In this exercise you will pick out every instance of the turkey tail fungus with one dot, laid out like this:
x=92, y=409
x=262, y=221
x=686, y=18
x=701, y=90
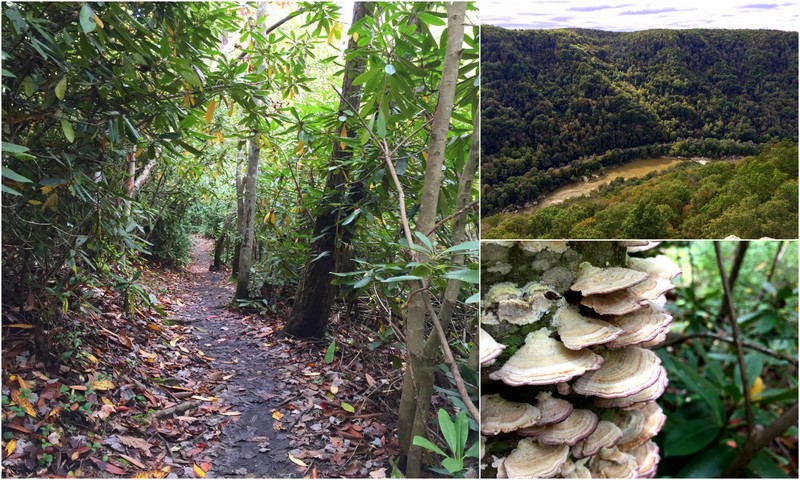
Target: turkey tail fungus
x=570, y=386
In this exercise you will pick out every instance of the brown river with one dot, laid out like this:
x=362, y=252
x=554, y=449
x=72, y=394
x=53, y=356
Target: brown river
x=636, y=168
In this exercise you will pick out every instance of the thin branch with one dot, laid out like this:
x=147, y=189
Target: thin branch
x=716, y=336
x=737, y=337
x=453, y=215
x=755, y=443
x=450, y=360
x=737, y=265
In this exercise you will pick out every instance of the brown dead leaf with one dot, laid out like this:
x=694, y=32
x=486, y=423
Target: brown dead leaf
x=135, y=442
x=370, y=380
x=297, y=461
x=134, y=461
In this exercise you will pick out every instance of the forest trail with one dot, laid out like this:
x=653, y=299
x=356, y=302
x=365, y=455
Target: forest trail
x=278, y=414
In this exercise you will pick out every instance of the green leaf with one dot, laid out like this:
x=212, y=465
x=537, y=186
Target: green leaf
x=474, y=450
x=66, y=127
x=380, y=126
x=133, y=134
x=465, y=275
x=347, y=407
x=462, y=430
x=389, y=69
x=363, y=282
x=425, y=241
x=12, y=175
x=10, y=190
x=448, y=429
x=690, y=437
x=330, y=352
x=87, y=22
x=61, y=88
x=709, y=463
x=351, y=217
x=453, y=465
x=468, y=247
x=401, y=278
x=763, y=466
x=476, y=298
x=12, y=148
x=431, y=19
x=428, y=445
x=705, y=389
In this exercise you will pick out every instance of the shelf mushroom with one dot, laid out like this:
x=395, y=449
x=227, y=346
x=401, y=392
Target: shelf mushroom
x=489, y=348
x=532, y=460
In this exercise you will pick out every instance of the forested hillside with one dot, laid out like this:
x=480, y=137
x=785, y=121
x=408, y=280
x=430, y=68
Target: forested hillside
x=560, y=104
x=752, y=198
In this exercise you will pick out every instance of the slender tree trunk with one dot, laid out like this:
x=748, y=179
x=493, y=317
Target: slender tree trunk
x=248, y=222
x=219, y=246
x=237, y=249
x=416, y=396
x=315, y=294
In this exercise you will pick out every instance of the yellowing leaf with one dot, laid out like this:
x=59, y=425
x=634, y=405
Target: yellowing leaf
x=277, y=415
x=212, y=105
x=11, y=446
x=23, y=402
x=355, y=37
x=425, y=156
x=61, y=88
x=98, y=21
x=106, y=401
x=101, y=385
x=330, y=36
x=154, y=327
x=20, y=325
x=198, y=471
x=297, y=461
x=301, y=147
x=90, y=357
x=757, y=388
x=347, y=407
x=334, y=389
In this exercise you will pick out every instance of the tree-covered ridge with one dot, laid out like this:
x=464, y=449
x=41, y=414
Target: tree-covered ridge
x=552, y=97
x=752, y=198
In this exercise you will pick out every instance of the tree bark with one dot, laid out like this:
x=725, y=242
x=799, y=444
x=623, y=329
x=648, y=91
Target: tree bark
x=248, y=222
x=219, y=246
x=237, y=248
x=309, y=316
x=415, y=400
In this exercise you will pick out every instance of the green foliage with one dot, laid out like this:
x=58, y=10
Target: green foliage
x=561, y=104
x=752, y=198
x=455, y=435
x=705, y=402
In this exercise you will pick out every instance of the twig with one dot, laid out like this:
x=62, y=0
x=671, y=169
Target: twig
x=737, y=337
x=741, y=249
x=717, y=336
x=755, y=443
x=453, y=215
x=448, y=358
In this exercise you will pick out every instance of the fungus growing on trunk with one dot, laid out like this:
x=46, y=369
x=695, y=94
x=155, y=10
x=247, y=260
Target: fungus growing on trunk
x=578, y=331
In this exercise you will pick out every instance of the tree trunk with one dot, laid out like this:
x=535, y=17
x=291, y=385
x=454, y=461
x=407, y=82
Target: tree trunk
x=219, y=246
x=248, y=222
x=237, y=248
x=417, y=392
x=315, y=294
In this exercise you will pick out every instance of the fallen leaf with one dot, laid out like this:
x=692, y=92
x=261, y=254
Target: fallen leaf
x=297, y=461
x=101, y=385
x=20, y=325
x=370, y=380
x=277, y=415
x=23, y=402
x=231, y=414
x=11, y=446
x=133, y=442
x=379, y=473
x=347, y=407
x=334, y=389
x=203, y=399
x=199, y=472
x=134, y=461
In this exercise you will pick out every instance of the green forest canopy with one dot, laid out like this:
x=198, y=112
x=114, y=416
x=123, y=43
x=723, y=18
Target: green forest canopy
x=752, y=198
x=560, y=104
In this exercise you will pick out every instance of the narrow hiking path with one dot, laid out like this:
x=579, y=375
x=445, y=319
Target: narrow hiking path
x=193, y=387
x=278, y=410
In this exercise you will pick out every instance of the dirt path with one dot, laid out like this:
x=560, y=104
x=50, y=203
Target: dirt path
x=279, y=411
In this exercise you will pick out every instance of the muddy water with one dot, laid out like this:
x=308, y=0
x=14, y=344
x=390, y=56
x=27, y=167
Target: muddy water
x=636, y=168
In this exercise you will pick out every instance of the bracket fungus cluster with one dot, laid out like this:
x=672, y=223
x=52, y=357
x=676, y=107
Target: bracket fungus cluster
x=570, y=386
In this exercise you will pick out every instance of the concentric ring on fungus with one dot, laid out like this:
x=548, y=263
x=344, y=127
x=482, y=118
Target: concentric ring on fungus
x=545, y=361
x=594, y=280
x=577, y=331
x=532, y=460
x=624, y=372
x=579, y=425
